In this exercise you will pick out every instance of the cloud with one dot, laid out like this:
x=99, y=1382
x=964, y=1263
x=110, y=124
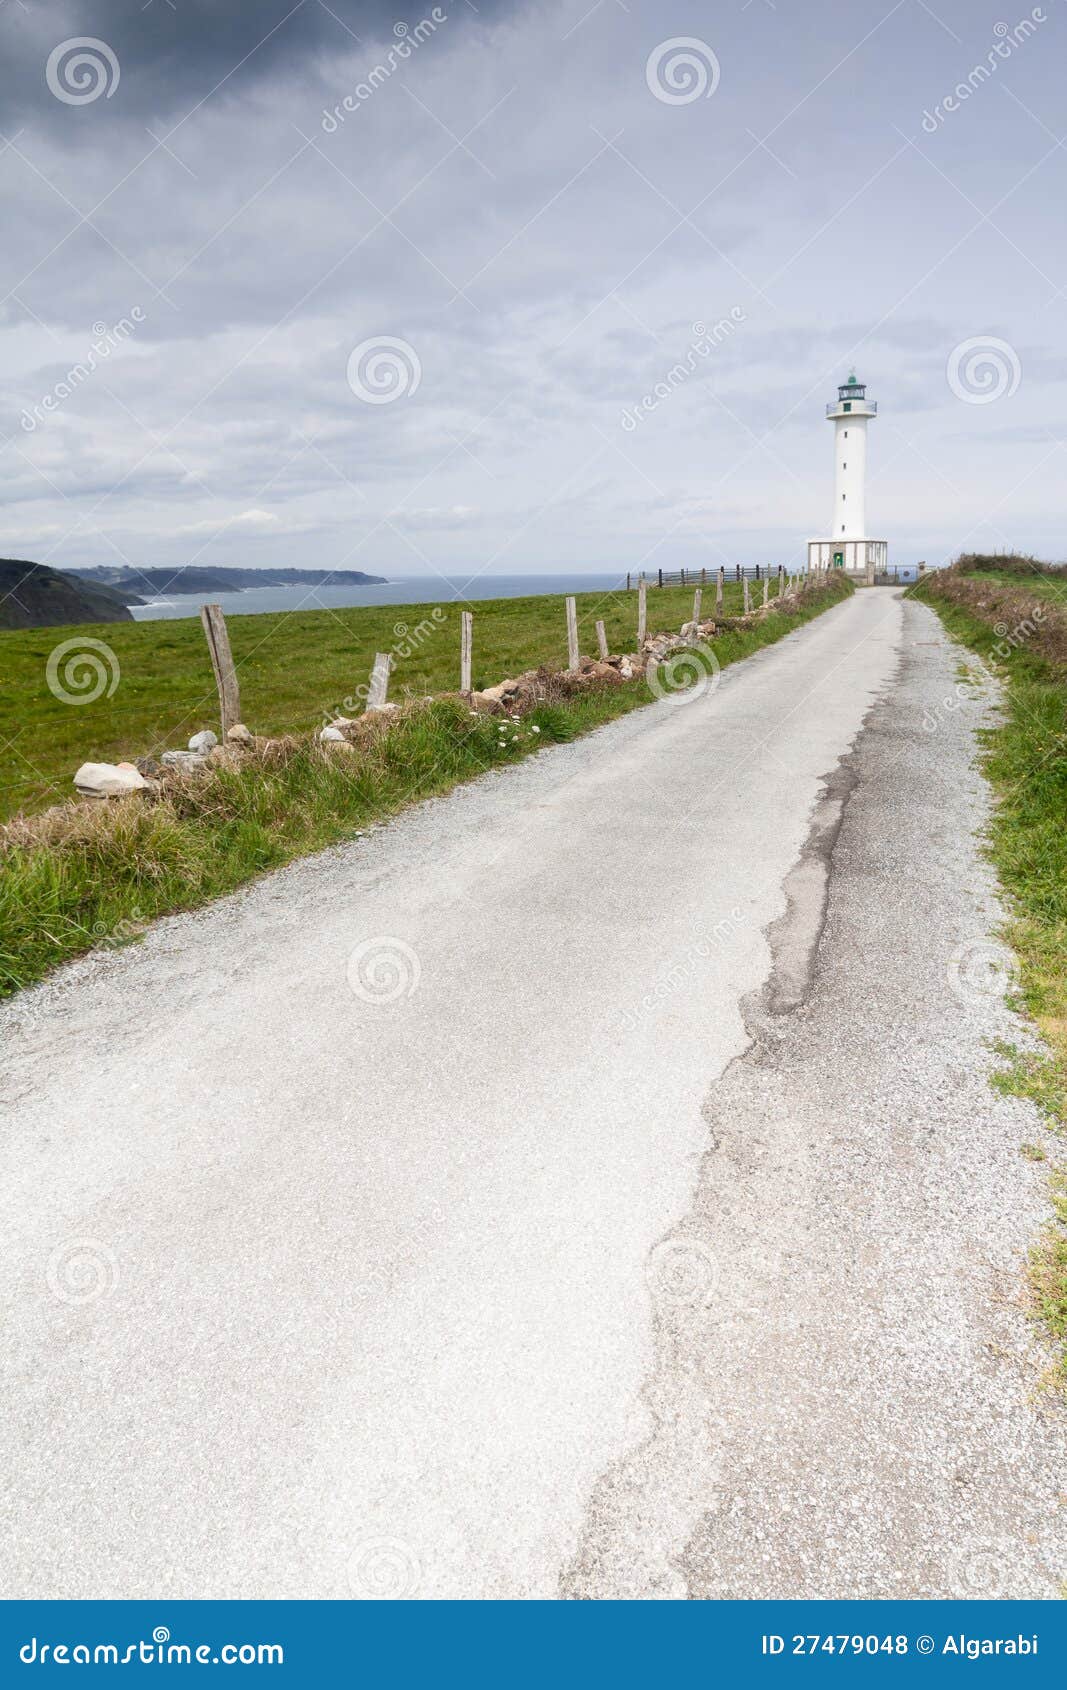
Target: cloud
x=250, y=522
x=172, y=57
x=438, y=518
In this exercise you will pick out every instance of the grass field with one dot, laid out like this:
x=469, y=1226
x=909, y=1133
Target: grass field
x=1046, y=586
x=296, y=669
x=87, y=874
x=1026, y=762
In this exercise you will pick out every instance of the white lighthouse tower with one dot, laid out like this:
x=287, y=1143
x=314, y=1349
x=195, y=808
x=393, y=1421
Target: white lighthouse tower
x=849, y=547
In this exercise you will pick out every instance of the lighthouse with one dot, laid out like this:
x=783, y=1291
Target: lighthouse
x=849, y=547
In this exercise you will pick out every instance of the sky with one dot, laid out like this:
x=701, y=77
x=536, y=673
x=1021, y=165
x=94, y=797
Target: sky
x=526, y=287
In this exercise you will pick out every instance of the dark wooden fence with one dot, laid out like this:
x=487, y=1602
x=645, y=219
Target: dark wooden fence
x=701, y=577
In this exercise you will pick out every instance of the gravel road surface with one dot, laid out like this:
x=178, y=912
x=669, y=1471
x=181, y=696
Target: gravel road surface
x=585, y=1184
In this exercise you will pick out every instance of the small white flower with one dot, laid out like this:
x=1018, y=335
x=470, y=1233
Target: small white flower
x=535, y=730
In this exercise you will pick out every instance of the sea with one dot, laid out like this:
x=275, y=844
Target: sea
x=425, y=590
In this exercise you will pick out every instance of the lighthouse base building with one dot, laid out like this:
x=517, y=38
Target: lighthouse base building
x=848, y=546
x=855, y=557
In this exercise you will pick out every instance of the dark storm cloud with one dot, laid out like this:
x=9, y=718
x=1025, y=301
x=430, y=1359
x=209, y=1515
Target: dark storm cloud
x=173, y=53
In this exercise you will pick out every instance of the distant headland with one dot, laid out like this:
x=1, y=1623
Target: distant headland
x=186, y=578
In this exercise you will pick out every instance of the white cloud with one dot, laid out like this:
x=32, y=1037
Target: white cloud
x=248, y=521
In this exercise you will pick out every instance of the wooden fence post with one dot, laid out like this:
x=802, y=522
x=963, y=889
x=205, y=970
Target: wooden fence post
x=642, y=611
x=703, y=577
x=781, y=580
x=601, y=641
x=572, y=634
x=718, y=590
x=766, y=588
x=696, y=609
x=218, y=644
x=748, y=601
x=379, y=680
x=661, y=578
x=466, y=649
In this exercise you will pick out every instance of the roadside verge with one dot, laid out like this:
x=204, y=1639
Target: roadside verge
x=1019, y=632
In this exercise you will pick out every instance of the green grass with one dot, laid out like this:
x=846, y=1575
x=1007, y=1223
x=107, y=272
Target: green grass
x=1025, y=759
x=296, y=669
x=1035, y=1075
x=82, y=874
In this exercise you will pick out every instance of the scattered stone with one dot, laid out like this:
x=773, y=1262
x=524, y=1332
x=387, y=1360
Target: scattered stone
x=332, y=735
x=108, y=780
x=147, y=766
x=189, y=760
x=662, y=645
x=497, y=694
x=378, y=709
x=203, y=742
x=239, y=734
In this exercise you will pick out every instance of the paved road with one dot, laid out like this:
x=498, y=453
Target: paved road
x=516, y=1202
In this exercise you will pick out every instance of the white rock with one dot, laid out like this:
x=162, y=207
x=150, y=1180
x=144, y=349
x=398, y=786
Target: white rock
x=108, y=780
x=203, y=741
x=331, y=735
x=239, y=734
